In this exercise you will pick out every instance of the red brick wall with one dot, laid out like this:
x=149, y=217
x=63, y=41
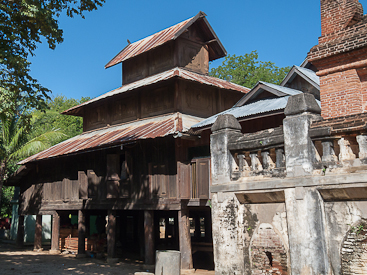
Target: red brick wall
x=343, y=86
x=340, y=94
x=337, y=15
x=353, y=252
x=268, y=254
x=341, y=58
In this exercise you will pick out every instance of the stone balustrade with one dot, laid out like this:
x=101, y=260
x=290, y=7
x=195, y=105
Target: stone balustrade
x=260, y=153
x=305, y=145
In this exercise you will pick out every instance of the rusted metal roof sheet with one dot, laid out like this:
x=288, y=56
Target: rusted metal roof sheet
x=176, y=72
x=166, y=35
x=142, y=129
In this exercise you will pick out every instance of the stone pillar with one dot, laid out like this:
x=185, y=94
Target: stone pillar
x=149, y=236
x=362, y=143
x=81, y=232
x=20, y=233
x=328, y=153
x=55, y=232
x=280, y=159
x=111, y=234
x=267, y=161
x=228, y=235
x=185, y=239
x=255, y=162
x=346, y=152
x=300, y=152
x=307, y=240
x=38, y=234
x=224, y=128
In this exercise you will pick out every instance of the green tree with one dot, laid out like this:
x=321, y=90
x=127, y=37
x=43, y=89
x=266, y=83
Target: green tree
x=7, y=196
x=246, y=70
x=23, y=24
x=15, y=143
x=53, y=119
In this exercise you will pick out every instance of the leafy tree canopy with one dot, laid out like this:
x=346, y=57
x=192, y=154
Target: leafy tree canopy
x=6, y=197
x=246, y=70
x=18, y=141
x=52, y=119
x=23, y=23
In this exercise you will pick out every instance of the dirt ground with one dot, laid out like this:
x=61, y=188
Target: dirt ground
x=25, y=261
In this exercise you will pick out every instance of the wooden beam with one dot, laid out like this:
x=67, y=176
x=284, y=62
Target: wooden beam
x=149, y=236
x=20, y=233
x=38, y=234
x=55, y=231
x=111, y=233
x=81, y=232
x=185, y=239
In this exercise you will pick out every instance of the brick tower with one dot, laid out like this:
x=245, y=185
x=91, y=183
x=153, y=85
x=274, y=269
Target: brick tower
x=341, y=58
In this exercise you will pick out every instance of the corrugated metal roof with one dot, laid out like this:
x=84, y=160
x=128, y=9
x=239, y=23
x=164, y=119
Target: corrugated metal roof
x=147, y=43
x=310, y=74
x=176, y=72
x=258, y=107
x=288, y=91
x=143, y=129
x=262, y=86
x=307, y=74
x=166, y=35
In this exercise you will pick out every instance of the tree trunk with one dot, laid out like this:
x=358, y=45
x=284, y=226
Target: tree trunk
x=2, y=177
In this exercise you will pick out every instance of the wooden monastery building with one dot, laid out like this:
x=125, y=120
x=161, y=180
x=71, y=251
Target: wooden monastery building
x=135, y=163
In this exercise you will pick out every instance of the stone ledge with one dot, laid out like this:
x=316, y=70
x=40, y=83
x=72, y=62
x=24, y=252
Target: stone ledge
x=273, y=184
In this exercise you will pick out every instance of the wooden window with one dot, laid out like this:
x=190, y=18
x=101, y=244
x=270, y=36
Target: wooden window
x=200, y=178
x=184, y=180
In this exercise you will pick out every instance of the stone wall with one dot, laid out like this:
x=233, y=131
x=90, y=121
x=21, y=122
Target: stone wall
x=249, y=239
x=301, y=222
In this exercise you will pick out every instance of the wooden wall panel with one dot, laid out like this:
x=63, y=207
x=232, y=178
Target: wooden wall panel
x=66, y=190
x=196, y=100
x=161, y=59
x=135, y=68
x=193, y=56
x=203, y=178
x=113, y=177
x=126, y=177
x=184, y=180
x=124, y=110
x=157, y=101
x=93, y=184
x=74, y=190
x=172, y=186
x=83, y=185
x=95, y=117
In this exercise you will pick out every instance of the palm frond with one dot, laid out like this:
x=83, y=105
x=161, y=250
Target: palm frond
x=37, y=144
x=17, y=140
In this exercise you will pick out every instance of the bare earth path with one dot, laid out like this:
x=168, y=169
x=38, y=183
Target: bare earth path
x=25, y=261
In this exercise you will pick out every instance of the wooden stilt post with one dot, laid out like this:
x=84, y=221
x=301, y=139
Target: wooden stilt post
x=149, y=236
x=141, y=234
x=111, y=234
x=38, y=234
x=185, y=239
x=81, y=233
x=20, y=233
x=55, y=232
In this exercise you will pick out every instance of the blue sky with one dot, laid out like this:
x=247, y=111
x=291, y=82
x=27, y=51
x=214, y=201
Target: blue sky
x=281, y=31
